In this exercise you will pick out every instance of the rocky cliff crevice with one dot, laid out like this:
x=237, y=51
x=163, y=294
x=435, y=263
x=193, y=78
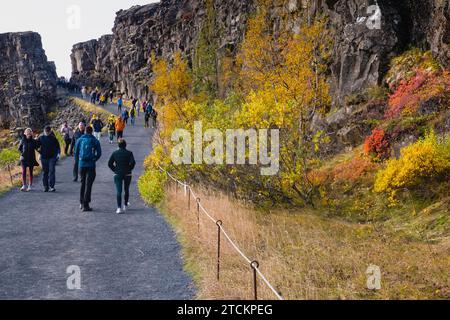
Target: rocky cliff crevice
x=361, y=54
x=27, y=80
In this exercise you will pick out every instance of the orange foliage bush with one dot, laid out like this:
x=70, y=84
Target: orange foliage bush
x=352, y=170
x=410, y=94
x=377, y=146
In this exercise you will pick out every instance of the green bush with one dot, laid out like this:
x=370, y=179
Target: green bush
x=8, y=158
x=151, y=186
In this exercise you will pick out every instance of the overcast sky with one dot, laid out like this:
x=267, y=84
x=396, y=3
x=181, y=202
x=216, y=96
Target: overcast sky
x=60, y=25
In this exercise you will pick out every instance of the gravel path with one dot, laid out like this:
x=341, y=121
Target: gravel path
x=132, y=256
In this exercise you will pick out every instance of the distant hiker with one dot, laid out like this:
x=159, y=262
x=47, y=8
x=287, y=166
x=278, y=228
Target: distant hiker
x=27, y=148
x=134, y=102
x=126, y=116
x=155, y=119
x=133, y=116
x=76, y=136
x=144, y=106
x=102, y=99
x=120, y=105
x=87, y=151
x=122, y=164
x=120, y=127
x=66, y=131
x=97, y=125
x=93, y=96
x=84, y=93
x=148, y=114
x=111, y=96
x=111, y=129
x=50, y=150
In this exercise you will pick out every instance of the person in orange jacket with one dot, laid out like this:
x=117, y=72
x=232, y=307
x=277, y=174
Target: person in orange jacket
x=120, y=127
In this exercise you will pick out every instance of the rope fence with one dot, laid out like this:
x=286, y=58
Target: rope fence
x=253, y=264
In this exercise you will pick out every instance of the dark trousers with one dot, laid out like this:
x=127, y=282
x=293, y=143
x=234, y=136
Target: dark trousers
x=87, y=180
x=119, y=135
x=24, y=175
x=75, y=170
x=67, y=146
x=122, y=182
x=49, y=168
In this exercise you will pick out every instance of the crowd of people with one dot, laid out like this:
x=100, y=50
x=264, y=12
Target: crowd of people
x=84, y=144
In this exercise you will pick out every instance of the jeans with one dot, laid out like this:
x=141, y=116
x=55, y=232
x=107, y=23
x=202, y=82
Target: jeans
x=87, y=180
x=111, y=136
x=133, y=121
x=68, y=143
x=121, y=182
x=49, y=168
x=97, y=135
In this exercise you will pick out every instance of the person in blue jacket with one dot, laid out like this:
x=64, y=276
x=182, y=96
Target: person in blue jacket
x=50, y=150
x=87, y=151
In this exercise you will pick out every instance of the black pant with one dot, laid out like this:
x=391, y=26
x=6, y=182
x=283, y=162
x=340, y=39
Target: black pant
x=68, y=143
x=119, y=135
x=121, y=183
x=75, y=169
x=87, y=180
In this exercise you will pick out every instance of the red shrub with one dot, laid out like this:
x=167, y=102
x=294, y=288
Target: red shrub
x=377, y=145
x=352, y=170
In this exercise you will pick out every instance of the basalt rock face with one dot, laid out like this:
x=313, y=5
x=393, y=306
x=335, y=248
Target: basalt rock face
x=361, y=55
x=91, y=62
x=27, y=80
x=124, y=59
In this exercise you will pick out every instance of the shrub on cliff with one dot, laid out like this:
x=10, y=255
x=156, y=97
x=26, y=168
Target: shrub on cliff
x=377, y=145
x=425, y=160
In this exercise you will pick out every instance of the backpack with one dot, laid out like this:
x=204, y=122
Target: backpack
x=87, y=147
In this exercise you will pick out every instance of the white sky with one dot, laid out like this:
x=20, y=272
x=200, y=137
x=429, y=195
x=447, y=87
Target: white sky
x=56, y=21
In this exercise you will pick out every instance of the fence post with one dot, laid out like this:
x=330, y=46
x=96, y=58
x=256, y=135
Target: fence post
x=254, y=265
x=189, y=198
x=198, y=214
x=219, y=232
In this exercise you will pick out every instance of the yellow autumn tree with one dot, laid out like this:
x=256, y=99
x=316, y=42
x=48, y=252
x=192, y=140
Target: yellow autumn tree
x=283, y=76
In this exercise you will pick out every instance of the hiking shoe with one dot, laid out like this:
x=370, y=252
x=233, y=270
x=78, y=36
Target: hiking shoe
x=87, y=209
x=23, y=189
x=52, y=190
x=45, y=189
x=124, y=209
x=30, y=188
x=119, y=211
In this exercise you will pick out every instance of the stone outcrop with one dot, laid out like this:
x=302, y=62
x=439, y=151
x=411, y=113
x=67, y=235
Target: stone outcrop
x=27, y=80
x=361, y=55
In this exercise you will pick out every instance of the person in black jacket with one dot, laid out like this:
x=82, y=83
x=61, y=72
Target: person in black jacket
x=50, y=150
x=77, y=135
x=27, y=148
x=122, y=164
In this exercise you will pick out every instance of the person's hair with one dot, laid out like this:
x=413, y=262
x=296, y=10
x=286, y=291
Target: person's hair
x=28, y=130
x=89, y=130
x=47, y=129
x=122, y=143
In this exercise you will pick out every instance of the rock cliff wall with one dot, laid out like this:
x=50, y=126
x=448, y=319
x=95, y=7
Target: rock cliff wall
x=27, y=80
x=361, y=54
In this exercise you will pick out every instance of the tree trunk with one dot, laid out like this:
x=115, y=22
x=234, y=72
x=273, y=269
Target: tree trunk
x=10, y=175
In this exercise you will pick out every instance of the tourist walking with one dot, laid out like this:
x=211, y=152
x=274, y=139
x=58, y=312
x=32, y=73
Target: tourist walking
x=122, y=164
x=120, y=105
x=50, y=150
x=154, y=119
x=133, y=116
x=88, y=151
x=125, y=116
x=120, y=127
x=111, y=128
x=67, y=134
x=27, y=148
x=97, y=125
x=77, y=135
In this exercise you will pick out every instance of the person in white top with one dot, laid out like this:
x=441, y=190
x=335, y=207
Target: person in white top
x=67, y=133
